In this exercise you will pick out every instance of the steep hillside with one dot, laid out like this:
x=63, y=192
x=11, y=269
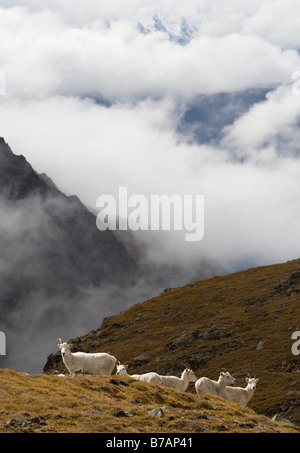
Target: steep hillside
x=111, y=404
x=242, y=322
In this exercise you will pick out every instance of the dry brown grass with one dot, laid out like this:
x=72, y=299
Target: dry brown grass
x=89, y=404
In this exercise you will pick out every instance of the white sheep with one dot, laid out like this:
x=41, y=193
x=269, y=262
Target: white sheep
x=206, y=385
x=147, y=377
x=179, y=384
x=93, y=363
x=241, y=395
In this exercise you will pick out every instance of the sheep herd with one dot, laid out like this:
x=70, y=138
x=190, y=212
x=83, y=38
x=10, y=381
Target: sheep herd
x=104, y=364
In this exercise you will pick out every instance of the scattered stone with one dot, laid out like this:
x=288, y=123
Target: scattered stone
x=189, y=426
x=260, y=345
x=101, y=334
x=293, y=393
x=135, y=402
x=81, y=372
x=117, y=382
x=195, y=427
x=216, y=333
x=204, y=416
x=197, y=333
x=292, y=366
x=23, y=422
x=140, y=360
x=157, y=412
x=288, y=287
x=170, y=346
x=247, y=425
x=222, y=428
x=279, y=418
x=122, y=413
x=97, y=409
x=166, y=408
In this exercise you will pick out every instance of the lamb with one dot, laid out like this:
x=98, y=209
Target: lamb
x=147, y=377
x=95, y=363
x=179, y=384
x=241, y=395
x=206, y=385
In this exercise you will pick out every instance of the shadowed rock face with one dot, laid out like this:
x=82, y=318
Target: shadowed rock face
x=17, y=178
x=65, y=236
x=53, y=258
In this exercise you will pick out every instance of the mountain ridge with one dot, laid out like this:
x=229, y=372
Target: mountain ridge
x=242, y=322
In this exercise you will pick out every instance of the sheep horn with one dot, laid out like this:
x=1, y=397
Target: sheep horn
x=186, y=365
x=60, y=340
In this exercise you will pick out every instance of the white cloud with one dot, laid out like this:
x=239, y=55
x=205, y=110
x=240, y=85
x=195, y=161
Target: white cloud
x=55, y=54
x=267, y=122
x=43, y=56
x=80, y=12
x=277, y=21
x=250, y=209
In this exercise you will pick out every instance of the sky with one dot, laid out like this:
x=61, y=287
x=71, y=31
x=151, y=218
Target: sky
x=97, y=104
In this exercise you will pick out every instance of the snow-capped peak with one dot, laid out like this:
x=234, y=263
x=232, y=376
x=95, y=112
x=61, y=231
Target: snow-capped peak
x=179, y=29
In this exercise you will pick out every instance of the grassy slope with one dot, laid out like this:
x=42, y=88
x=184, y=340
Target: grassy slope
x=93, y=404
x=253, y=305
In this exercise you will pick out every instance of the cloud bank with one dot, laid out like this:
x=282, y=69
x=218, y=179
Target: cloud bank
x=96, y=104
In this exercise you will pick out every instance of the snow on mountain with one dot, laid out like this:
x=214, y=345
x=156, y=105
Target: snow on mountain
x=179, y=29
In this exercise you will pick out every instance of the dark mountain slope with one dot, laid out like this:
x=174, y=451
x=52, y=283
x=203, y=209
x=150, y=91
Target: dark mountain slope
x=54, y=262
x=86, y=246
